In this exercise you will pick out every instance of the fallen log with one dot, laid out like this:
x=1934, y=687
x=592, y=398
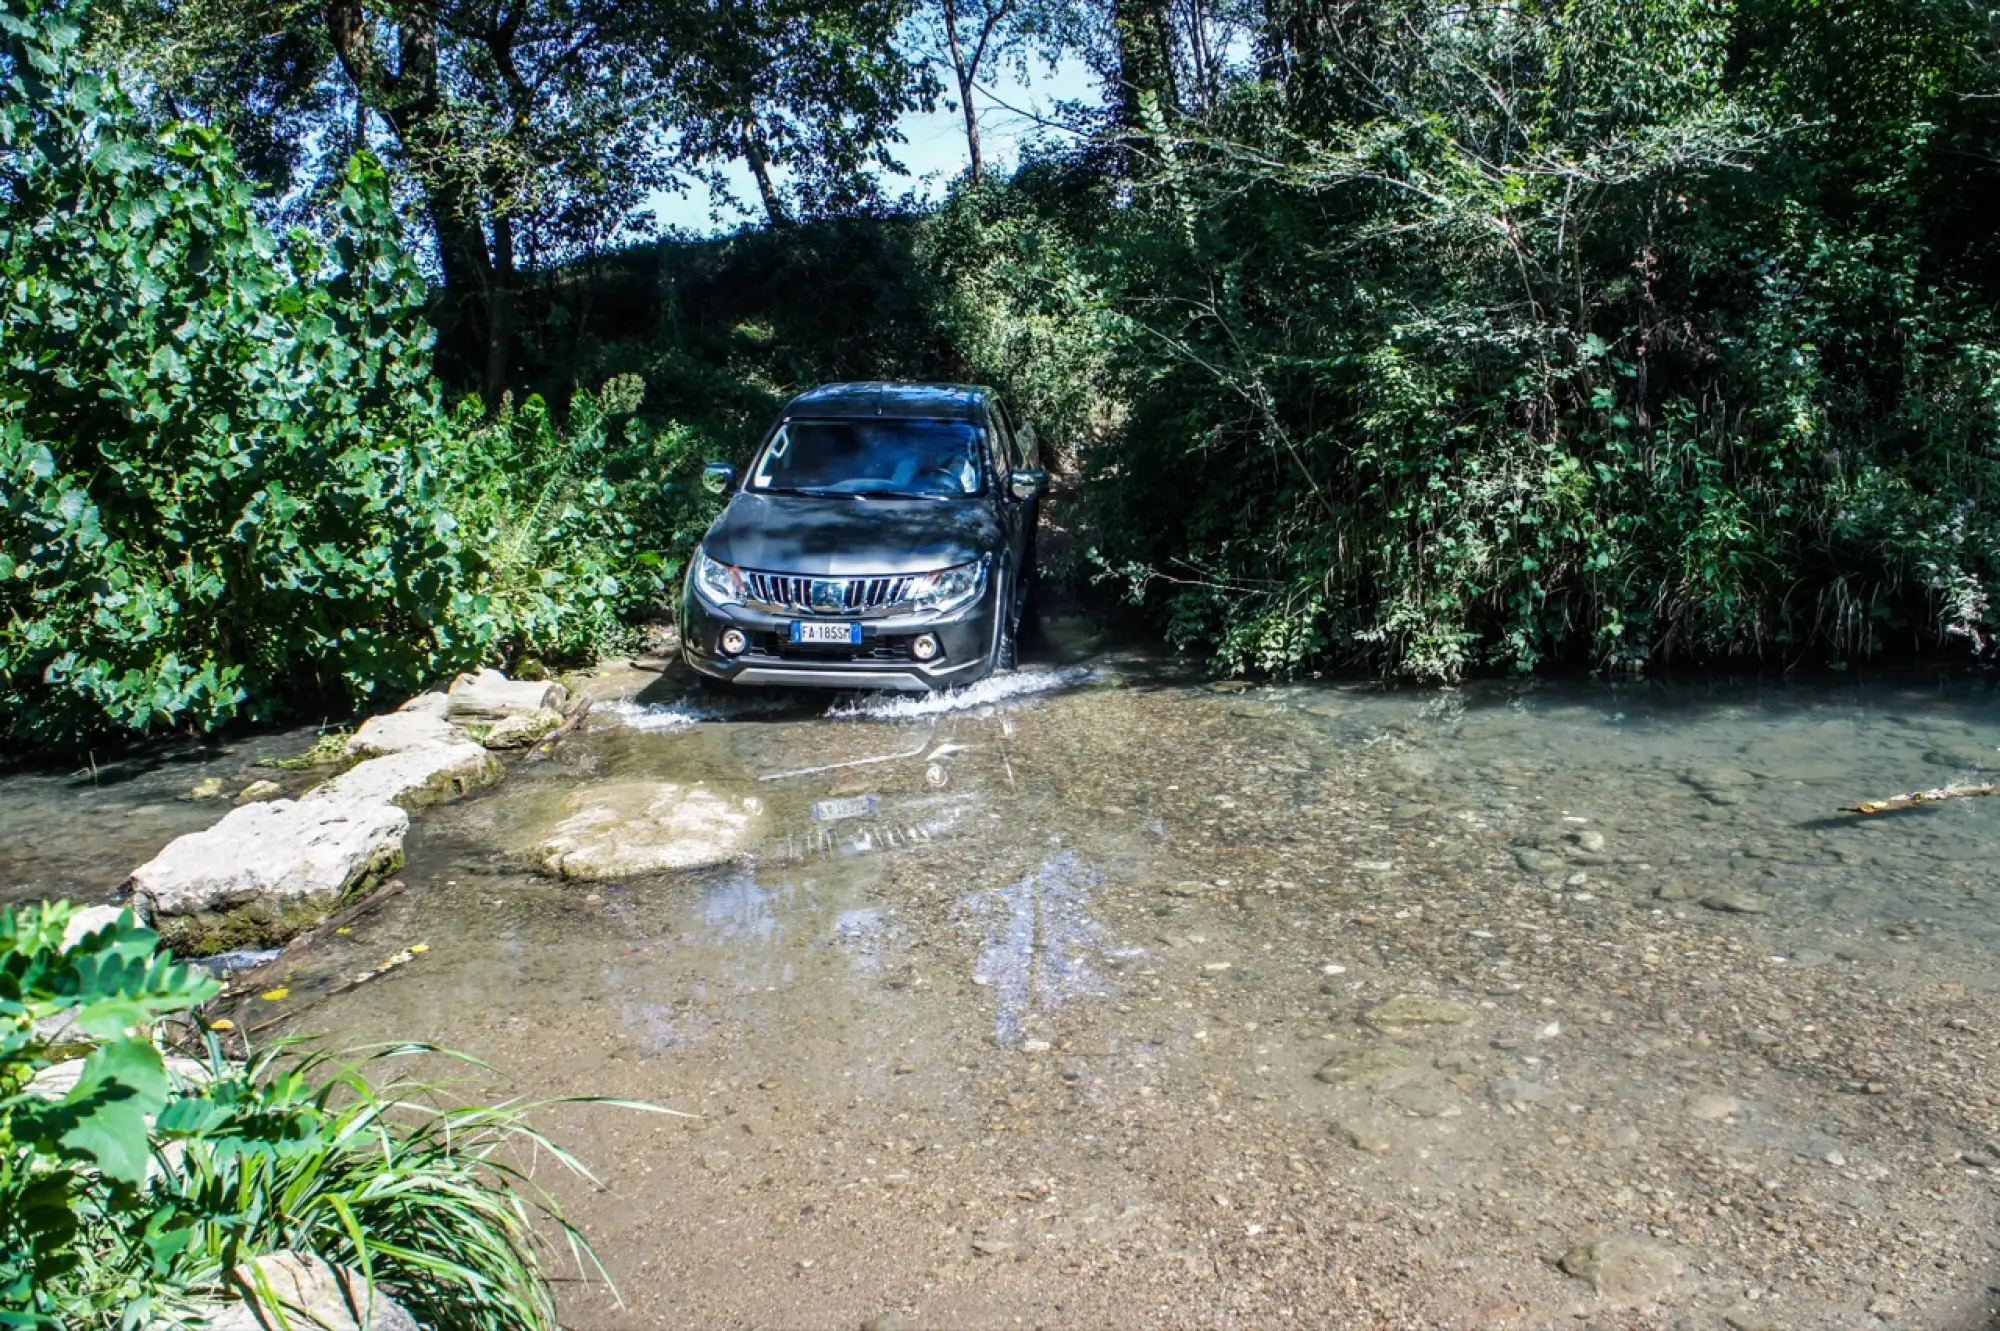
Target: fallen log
x=403, y=958
x=1917, y=797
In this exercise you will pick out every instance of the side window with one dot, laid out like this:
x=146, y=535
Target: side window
x=999, y=443
x=1014, y=453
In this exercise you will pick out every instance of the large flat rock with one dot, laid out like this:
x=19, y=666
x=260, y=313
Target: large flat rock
x=412, y=778
x=395, y=732
x=621, y=829
x=266, y=871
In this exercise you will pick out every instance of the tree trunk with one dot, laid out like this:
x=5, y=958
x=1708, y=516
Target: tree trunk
x=412, y=103
x=499, y=313
x=760, y=167
x=977, y=166
x=1145, y=61
x=965, y=73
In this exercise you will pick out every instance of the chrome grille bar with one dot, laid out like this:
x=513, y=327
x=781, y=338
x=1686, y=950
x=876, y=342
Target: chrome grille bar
x=786, y=593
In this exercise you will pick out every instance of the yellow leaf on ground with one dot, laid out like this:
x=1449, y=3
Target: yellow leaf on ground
x=273, y=995
x=420, y=948
x=343, y=929
x=224, y=1024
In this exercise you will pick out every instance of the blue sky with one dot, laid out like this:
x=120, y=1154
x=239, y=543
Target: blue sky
x=933, y=151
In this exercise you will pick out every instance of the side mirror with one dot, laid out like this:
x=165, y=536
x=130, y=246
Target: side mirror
x=1027, y=482
x=718, y=477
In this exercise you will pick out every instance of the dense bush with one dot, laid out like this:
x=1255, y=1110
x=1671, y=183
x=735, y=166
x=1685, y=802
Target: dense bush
x=1605, y=333
x=227, y=483
x=578, y=530
x=129, y=1199
x=215, y=491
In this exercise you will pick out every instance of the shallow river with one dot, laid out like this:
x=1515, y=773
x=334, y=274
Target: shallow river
x=1108, y=998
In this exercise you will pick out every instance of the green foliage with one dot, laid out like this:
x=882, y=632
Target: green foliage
x=68, y=1164
x=129, y=1200
x=1674, y=339
x=582, y=527
x=227, y=483
x=216, y=495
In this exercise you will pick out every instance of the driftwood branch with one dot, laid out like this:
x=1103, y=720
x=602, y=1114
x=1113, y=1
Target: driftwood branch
x=256, y=977
x=1914, y=798
x=548, y=742
x=403, y=958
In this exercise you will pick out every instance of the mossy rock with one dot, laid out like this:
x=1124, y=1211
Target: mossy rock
x=266, y=922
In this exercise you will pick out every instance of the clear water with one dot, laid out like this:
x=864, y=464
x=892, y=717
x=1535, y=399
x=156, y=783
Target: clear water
x=1034, y=1033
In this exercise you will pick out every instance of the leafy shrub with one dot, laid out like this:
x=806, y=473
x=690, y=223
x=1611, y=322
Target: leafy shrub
x=1676, y=340
x=130, y=1199
x=578, y=528
x=216, y=491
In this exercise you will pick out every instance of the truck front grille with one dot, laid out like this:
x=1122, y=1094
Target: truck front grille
x=784, y=593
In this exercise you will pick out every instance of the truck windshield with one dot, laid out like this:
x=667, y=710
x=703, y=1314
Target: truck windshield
x=873, y=456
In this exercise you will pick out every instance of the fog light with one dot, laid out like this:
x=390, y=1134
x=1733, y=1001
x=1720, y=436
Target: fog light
x=733, y=641
x=925, y=647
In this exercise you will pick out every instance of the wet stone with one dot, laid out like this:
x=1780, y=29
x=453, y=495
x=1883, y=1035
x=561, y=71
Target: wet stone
x=1364, y=1065
x=1362, y=1136
x=1713, y=1108
x=1416, y=1010
x=258, y=791
x=1538, y=861
x=1621, y=1268
x=1733, y=902
x=617, y=829
x=889, y=1321
x=1421, y=1099
x=1514, y=1092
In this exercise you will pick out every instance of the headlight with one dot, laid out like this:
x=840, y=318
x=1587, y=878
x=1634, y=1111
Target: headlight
x=721, y=583
x=949, y=589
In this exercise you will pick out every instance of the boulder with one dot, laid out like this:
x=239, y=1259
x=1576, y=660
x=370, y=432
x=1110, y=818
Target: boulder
x=524, y=728
x=267, y=871
x=490, y=696
x=623, y=828
x=310, y=1296
x=397, y=732
x=432, y=704
x=412, y=778
x=88, y=921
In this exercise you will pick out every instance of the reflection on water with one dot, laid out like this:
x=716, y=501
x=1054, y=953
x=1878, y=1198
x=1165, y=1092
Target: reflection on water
x=1039, y=941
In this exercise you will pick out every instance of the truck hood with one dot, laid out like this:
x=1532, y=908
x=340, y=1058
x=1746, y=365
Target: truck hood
x=841, y=537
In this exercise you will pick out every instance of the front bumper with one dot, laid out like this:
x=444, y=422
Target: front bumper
x=882, y=660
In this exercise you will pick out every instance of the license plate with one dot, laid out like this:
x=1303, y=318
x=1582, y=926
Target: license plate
x=849, y=634
x=833, y=811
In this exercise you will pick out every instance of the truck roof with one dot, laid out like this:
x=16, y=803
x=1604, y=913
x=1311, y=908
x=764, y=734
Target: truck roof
x=956, y=402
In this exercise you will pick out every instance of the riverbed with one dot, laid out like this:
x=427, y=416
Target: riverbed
x=1108, y=996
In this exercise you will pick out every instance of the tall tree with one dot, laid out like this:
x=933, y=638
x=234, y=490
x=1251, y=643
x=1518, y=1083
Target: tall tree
x=526, y=131
x=806, y=94
x=965, y=38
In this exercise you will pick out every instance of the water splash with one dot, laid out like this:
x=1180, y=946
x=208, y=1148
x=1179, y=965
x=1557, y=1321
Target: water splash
x=988, y=691
x=654, y=716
